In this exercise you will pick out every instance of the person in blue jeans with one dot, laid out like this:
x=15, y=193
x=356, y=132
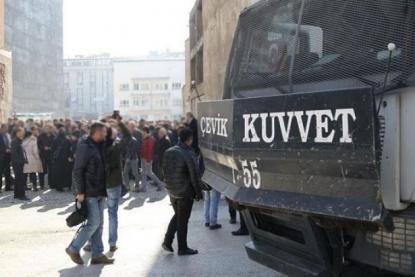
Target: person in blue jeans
x=92, y=231
x=114, y=178
x=89, y=179
x=211, y=208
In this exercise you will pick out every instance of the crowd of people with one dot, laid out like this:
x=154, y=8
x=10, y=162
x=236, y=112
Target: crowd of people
x=97, y=161
x=36, y=150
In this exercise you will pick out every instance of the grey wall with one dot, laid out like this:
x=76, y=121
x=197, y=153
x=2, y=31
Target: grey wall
x=34, y=35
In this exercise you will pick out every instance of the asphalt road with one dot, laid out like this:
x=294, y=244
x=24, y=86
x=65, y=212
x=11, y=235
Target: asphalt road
x=33, y=237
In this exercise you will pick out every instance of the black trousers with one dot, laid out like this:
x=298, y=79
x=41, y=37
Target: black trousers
x=179, y=222
x=20, y=181
x=232, y=212
x=47, y=165
x=5, y=171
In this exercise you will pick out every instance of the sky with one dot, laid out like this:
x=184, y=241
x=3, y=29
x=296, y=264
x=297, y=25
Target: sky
x=125, y=27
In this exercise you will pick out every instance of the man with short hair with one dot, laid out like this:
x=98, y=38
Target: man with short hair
x=131, y=155
x=45, y=143
x=18, y=160
x=191, y=122
x=89, y=182
x=147, y=156
x=183, y=184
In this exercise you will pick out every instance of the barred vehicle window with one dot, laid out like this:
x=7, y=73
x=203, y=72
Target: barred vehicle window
x=313, y=45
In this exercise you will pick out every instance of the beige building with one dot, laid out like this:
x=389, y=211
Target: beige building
x=149, y=88
x=5, y=72
x=212, y=26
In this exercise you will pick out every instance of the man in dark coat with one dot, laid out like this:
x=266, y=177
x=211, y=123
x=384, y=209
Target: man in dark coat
x=114, y=150
x=89, y=182
x=162, y=144
x=61, y=161
x=183, y=184
x=18, y=160
x=5, y=156
x=45, y=142
x=193, y=125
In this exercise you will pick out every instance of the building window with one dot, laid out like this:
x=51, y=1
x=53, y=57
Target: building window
x=157, y=86
x=124, y=103
x=92, y=77
x=145, y=86
x=80, y=78
x=124, y=87
x=177, y=86
x=166, y=86
x=177, y=102
x=136, y=86
x=136, y=102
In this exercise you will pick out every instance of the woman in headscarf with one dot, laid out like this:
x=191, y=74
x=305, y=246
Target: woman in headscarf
x=61, y=161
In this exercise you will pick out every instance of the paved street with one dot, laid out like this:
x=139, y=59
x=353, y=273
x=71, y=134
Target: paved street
x=33, y=237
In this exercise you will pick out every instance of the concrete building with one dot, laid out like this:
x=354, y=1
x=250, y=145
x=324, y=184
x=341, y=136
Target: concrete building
x=34, y=35
x=212, y=26
x=5, y=73
x=89, y=83
x=149, y=88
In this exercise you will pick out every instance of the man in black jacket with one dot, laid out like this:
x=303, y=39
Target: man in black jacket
x=183, y=184
x=193, y=125
x=5, y=156
x=45, y=142
x=89, y=182
x=18, y=160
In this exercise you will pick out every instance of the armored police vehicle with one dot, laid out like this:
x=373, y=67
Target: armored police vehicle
x=315, y=136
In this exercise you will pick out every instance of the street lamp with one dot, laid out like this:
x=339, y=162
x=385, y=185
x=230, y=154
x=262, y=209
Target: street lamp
x=194, y=87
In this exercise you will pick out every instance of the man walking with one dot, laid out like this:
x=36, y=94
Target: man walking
x=89, y=182
x=131, y=162
x=5, y=156
x=183, y=184
x=147, y=156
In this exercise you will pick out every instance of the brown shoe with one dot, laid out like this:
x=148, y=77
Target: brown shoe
x=75, y=257
x=102, y=260
x=113, y=248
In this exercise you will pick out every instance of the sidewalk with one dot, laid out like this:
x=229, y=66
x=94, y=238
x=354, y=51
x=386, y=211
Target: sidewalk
x=33, y=237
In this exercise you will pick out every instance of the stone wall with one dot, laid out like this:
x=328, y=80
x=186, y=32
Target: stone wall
x=1, y=24
x=6, y=85
x=219, y=18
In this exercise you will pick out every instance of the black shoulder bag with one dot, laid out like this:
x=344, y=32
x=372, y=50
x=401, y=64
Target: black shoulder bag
x=78, y=216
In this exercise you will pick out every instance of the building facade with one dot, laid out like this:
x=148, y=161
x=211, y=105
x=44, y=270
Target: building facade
x=149, y=88
x=34, y=35
x=5, y=73
x=212, y=26
x=88, y=83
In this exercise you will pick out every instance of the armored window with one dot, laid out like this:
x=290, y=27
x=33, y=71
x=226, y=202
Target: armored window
x=303, y=46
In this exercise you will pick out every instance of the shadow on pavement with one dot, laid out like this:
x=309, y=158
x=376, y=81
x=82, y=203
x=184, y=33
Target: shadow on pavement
x=90, y=271
x=138, y=199
x=44, y=200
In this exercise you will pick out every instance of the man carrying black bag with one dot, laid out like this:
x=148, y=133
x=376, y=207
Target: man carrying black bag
x=89, y=184
x=182, y=179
